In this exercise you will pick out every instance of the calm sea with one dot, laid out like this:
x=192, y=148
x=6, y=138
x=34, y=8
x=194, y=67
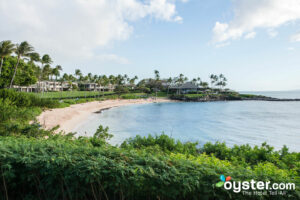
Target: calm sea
x=238, y=122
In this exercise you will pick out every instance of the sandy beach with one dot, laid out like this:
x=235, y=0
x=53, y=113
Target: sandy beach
x=67, y=118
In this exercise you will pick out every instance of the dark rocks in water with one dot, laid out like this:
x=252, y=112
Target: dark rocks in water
x=100, y=111
x=228, y=97
x=268, y=99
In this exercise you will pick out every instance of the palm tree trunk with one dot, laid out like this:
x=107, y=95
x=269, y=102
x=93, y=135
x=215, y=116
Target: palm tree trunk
x=12, y=79
x=55, y=83
x=1, y=65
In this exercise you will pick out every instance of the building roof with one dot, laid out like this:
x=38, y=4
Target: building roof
x=187, y=85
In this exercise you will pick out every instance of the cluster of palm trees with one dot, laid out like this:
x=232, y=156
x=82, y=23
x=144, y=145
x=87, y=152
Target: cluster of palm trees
x=26, y=52
x=44, y=71
x=102, y=80
x=218, y=81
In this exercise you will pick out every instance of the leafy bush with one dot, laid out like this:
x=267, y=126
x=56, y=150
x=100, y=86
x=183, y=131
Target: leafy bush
x=62, y=168
x=26, y=100
x=161, y=142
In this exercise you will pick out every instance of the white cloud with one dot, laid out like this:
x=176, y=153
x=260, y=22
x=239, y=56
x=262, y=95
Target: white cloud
x=75, y=28
x=250, y=35
x=250, y=15
x=291, y=48
x=295, y=37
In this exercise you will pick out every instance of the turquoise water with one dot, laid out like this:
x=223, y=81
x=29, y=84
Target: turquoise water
x=238, y=122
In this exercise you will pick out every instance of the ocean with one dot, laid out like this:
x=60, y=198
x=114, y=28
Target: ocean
x=233, y=122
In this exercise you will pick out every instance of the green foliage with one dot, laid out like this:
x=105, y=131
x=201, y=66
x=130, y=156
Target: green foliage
x=121, y=90
x=66, y=168
x=247, y=155
x=195, y=95
x=161, y=142
x=18, y=112
x=26, y=100
x=72, y=94
x=134, y=96
x=101, y=136
x=25, y=74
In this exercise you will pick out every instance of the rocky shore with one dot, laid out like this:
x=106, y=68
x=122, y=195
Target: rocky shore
x=227, y=97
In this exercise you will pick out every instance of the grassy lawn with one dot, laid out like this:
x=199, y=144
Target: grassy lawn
x=160, y=94
x=194, y=95
x=134, y=96
x=71, y=94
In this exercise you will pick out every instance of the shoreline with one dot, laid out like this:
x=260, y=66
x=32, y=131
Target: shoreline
x=68, y=118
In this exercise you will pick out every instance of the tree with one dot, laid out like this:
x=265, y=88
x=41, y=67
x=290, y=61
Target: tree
x=56, y=73
x=222, y=81
x=101, y=136
x=169, y=82
x=132, y=81
x=157, y=81
x=23, y=50
x=46, y=68
x=65, y=77
x=157, y=76
x=90, y=77
x=120, y=89
x=180, y=79
x=34, y=57
x=198, y=83
x=6, y=49
x=213, y=80
x=204, y=84
x=78, y=73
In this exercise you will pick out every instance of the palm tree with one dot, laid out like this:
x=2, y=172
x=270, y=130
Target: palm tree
x=132, y=81
x=198, y=83
x=94, y=78
x=78, y=73
x=65, y=77
x=6, y=49
x=157, y=76
x=23, y=50
x=34, y=57
x=157, y=81
x=47, y=71
x=222, y=81
x=56, y=73
x=46, y=60
x=181, y=79
x=90, y=77
x=204, y=85
x=169, y=82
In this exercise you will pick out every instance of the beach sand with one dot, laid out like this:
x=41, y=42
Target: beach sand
x=67, y=118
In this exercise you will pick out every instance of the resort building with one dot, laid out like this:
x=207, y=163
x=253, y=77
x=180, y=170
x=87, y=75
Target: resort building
x=185, y=88
x=46, y=86
x=95, y=87
x=54, y=86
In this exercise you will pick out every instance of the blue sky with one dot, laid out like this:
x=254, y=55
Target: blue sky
x=255, y=43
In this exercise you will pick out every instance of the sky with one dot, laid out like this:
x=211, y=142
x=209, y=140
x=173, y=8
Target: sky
x=254, y=43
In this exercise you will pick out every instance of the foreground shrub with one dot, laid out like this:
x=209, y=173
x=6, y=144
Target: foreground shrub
x=62, y=168
x=26, y=100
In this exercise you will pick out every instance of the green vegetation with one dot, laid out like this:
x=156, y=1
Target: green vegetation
x=216, y=96
x=149, y=168
x=72, y=94
x=37, y=164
